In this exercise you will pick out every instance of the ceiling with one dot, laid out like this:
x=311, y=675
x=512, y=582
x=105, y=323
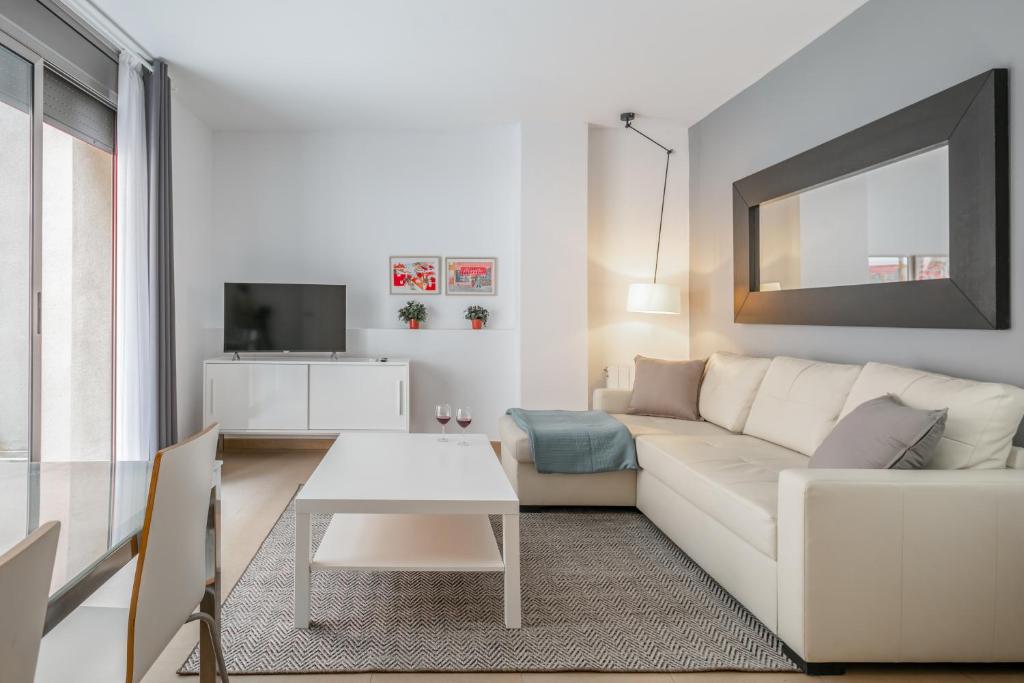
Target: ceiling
x=320, y=64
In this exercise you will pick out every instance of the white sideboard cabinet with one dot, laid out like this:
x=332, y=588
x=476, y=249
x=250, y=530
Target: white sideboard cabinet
x=300, y=396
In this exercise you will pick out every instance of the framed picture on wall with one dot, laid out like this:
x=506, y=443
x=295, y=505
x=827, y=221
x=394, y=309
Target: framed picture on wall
x=474, y=276
x=415, y=274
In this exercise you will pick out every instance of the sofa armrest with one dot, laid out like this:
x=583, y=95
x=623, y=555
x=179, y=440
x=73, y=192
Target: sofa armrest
x=612, y=400
x=901, y=565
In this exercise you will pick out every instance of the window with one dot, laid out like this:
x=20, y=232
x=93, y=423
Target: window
x=887, y=268
x=906, y=268
x=77, y=275
x=16, y=305
x=56, y=264
x=931, y=267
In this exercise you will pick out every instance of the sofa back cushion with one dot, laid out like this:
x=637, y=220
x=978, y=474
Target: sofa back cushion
x=799, y=401
x=727, y=392
x=983, y=417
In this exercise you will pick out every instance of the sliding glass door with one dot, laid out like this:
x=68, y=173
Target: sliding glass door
x=56, y=264
x=16, y=287
x=77, y=275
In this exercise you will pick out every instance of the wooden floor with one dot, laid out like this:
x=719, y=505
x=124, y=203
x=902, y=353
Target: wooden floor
x=258, y=484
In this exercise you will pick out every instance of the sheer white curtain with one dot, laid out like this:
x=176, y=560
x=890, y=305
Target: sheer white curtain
x=136, y=405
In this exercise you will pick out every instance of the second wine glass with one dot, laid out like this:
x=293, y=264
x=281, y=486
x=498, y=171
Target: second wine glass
x=464, y=417
x=443, y=414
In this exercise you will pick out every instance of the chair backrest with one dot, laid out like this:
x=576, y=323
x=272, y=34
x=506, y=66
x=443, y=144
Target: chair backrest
x=171, y=573
x=25, y=574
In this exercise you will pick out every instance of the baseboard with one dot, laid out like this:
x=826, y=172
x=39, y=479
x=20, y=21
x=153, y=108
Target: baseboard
x=814, y=668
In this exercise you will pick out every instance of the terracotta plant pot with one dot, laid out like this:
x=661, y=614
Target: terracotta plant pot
x=414, y=324
x=477, y=324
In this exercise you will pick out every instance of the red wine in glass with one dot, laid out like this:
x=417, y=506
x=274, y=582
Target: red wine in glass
x=463, y=417
x=443, y=414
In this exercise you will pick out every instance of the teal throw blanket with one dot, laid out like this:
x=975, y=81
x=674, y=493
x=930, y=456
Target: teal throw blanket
x=576, y=442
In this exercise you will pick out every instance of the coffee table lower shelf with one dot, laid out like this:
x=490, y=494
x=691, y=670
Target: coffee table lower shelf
x=412, y=543
x=420, y=543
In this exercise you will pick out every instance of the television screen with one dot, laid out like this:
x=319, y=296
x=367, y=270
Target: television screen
x=280, y=317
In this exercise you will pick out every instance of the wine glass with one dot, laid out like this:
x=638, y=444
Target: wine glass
x=443, y=414
x=464, y=417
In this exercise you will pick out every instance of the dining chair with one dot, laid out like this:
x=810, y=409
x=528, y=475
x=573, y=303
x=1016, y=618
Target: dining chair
x=119, y=632
x=25, y=574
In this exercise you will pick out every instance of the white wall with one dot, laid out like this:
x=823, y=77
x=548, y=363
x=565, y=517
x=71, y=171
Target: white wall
x=553, y=252
x=908, y=206
x=625, y=175
x=194, y=259
x=834, y=234
x=778, y=242
x=332, y=207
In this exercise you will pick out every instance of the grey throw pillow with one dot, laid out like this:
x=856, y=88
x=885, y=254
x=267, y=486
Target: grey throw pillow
x=666, y=388
x=882, y=434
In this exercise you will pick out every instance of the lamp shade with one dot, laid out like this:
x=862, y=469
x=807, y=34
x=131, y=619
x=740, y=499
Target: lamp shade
x=653, y=298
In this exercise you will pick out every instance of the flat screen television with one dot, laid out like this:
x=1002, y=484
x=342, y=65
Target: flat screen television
x=283, y=317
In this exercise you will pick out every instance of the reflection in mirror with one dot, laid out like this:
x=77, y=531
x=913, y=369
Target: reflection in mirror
x=888, y=224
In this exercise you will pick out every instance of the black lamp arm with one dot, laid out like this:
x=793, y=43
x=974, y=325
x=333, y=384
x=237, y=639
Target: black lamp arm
x=628, y=119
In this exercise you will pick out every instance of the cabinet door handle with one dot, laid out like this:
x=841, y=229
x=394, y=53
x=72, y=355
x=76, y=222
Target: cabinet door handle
x=398, y=392
x=211, y=397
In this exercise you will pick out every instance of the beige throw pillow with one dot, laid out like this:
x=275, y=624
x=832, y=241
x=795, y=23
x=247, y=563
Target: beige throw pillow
x=666, y=388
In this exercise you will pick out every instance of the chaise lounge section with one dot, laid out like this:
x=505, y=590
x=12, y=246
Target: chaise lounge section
x=844, y=565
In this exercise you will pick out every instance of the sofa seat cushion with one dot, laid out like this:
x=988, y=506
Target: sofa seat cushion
x=798, y=402
x=515, y=439
x=640, y=425
x=982, y=420
x=732, y=478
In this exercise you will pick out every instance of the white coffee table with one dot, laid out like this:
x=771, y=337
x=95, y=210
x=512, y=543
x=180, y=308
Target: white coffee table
x=408, y=502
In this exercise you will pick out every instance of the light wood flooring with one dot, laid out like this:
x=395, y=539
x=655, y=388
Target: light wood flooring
x=258, y=483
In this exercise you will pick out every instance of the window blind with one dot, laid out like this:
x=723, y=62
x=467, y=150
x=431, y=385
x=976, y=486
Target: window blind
x=69, y=108
x=15, y=81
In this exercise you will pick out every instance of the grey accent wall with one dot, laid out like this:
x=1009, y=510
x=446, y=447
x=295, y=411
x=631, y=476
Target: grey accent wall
x=885, y=56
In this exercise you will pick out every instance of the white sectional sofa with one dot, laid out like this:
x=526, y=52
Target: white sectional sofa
x=844, y=565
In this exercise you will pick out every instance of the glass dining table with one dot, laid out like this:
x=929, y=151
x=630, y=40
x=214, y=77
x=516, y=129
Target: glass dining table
x=101, y=507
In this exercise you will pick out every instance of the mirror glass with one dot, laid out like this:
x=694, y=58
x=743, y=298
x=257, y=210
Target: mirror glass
x=887, y=224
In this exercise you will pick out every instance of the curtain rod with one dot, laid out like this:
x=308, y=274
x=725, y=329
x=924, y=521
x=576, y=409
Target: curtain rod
x=106, y=29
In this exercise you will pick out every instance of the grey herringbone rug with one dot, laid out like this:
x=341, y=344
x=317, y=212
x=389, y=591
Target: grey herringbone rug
x=602, y=591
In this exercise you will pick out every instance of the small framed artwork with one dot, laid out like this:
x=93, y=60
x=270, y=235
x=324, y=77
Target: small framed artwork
x=476, y=276
x=415, y=274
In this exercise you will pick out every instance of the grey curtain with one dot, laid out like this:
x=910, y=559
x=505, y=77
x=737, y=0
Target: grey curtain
x=161, y=231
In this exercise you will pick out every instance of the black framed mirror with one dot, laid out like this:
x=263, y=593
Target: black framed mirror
x=903, y=222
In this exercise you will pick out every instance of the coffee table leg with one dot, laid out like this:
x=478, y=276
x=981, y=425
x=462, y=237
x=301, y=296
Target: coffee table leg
x=510, y=542
x=303, y=549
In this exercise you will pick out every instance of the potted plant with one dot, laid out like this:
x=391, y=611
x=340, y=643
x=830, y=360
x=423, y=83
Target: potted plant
x=413, y=313
x=478, y=316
